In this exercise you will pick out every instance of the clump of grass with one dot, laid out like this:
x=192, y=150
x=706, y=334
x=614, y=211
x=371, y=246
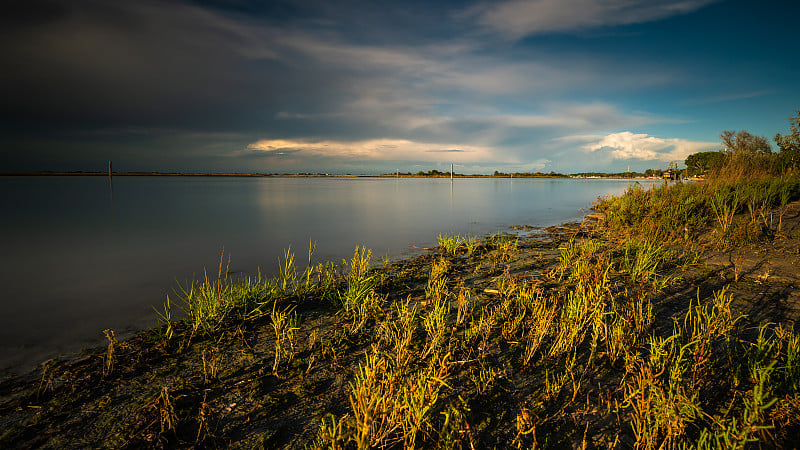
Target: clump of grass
x=436, y=288
x=389, y=407
x=209, y=303
x=641, y=259
x=165, y=330
x=450, y=245
x=471, y=244
x=284, y=323
x=505, y=246
x=669, y=391
x=358, y=299
x=360, y=282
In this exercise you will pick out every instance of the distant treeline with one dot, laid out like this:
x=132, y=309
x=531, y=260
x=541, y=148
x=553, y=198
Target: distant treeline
x=498, y=174
x=649, y=173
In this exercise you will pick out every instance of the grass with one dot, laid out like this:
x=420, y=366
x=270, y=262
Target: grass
x=596, y=345
x=284, y=323
x=677, y=213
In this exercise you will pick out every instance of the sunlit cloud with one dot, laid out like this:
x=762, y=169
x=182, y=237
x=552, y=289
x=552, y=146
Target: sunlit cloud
x=375, y=150
x=627, y=145
x=515, y=19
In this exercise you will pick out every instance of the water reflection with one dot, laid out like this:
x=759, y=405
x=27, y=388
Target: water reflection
x=75, y=264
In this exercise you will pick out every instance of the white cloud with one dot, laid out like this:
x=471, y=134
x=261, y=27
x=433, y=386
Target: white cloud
x=518, y=18
x=627, y=145
x=375, y=150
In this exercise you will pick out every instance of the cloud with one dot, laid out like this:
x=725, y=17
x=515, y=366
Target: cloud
x=374, y=150
x=627, y=145
x=515, y=19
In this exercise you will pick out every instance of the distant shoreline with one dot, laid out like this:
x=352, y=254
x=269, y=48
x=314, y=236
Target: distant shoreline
x=312, y=175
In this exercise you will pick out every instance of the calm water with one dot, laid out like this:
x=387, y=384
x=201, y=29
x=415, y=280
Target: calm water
x=74, y=262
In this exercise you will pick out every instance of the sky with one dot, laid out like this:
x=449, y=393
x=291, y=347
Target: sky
x=376, y=86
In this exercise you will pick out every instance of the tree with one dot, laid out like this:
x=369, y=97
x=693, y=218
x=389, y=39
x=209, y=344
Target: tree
x=705, y=160
x=790, y=142
x=744, y=143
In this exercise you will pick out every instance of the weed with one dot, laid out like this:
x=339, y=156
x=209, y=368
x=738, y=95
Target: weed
x=210, y=365
x=387, y=407
x=359, y=281
x=641, y=259
x=167, y=417
x=471, y=243
x=455, y=427
x=165, y=330
x=203, y=432
x=435, y=324
x=504, y=246
x=450, y=244
x=284, y=323
x=464, y=305
x=46, y=382
x=108, y=360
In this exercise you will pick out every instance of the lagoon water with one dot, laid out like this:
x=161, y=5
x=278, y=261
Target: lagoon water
x=79, y=257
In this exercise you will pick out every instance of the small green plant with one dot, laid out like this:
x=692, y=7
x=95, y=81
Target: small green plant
x=210, y=365
x=464, y=305
x=166, y=411
x=641, y=259
x=284, y=323
x=359, y=281
x=471, y=243
x=503, y=246
x=435, y=324
x=165, y=329
x=450, y=245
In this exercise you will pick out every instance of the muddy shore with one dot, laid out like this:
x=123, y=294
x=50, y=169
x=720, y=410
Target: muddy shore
x=225, y=389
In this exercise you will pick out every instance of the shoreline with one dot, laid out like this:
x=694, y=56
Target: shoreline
x=233, y=385
x=313, y=175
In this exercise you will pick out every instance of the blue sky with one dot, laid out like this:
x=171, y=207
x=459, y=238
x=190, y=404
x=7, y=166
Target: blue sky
x=378, y=86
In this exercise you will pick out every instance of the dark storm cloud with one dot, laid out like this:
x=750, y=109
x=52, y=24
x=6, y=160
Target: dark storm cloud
x=32, y=13
x=152, y=64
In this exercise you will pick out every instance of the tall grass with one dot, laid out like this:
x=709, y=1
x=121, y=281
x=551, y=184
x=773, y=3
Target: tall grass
x=679, y=212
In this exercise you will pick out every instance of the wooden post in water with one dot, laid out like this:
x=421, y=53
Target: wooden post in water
x=110, y=184
x=451, y=172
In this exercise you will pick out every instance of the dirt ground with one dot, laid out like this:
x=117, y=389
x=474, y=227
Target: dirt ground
x=220, y=390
